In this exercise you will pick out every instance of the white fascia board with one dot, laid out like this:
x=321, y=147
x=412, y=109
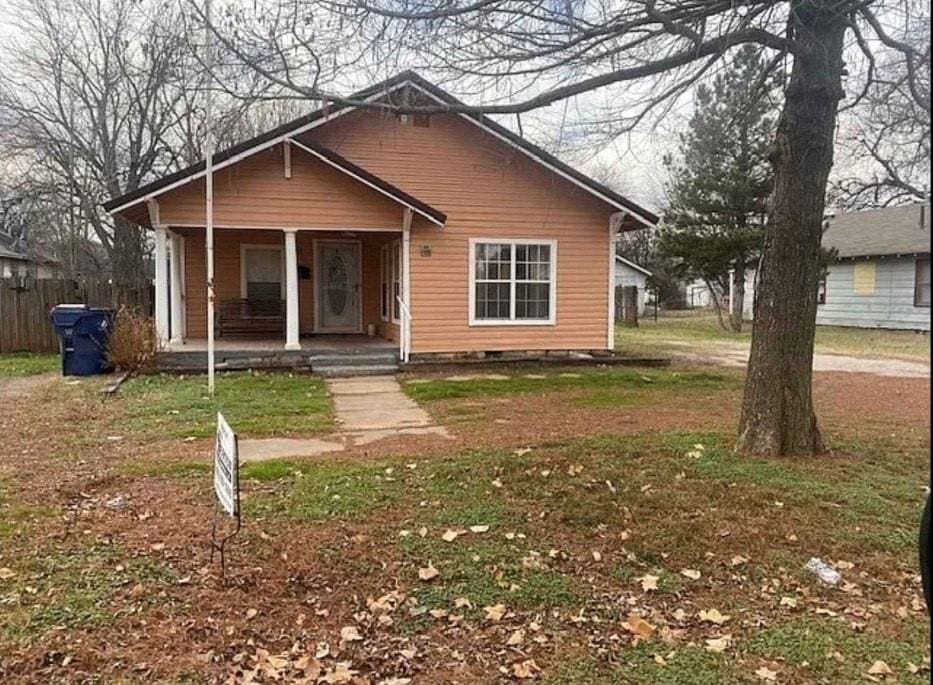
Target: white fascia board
x=634, y=265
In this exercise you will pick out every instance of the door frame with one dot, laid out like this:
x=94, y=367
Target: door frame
x=318, y=243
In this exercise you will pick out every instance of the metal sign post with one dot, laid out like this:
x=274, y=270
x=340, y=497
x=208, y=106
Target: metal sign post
x=226, y=487
x=209, y=191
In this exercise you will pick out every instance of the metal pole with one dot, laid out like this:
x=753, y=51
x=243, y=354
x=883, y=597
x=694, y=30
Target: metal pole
x=209, y=194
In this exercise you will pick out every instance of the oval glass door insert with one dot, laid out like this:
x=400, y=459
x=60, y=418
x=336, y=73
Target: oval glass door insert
x=337, y=290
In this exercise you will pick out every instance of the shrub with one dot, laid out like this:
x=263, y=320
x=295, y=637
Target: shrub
x=133, y=341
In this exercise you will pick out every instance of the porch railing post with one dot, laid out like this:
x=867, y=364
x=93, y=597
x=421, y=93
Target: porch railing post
x=291, y=292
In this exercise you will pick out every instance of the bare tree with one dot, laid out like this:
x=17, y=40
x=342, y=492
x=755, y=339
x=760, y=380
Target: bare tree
x=521, y=55
x=887, y=135
x=96, y=98
x=90, y=100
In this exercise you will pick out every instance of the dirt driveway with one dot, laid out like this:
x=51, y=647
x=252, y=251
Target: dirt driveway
x=735, y=354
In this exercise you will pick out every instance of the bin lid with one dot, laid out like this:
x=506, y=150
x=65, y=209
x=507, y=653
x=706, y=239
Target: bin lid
x=69, y=306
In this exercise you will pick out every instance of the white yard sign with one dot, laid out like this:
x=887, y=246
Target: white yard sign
x=226, y=468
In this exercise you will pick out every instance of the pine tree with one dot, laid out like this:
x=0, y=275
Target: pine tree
x=723, y=178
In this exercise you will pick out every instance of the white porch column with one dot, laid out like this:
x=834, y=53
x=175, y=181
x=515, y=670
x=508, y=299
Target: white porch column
x=176, y=265
x=291, y=292
x=615, y=222
x=161, y=284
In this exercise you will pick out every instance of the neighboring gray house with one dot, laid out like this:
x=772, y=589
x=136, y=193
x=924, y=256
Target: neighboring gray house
x=20, y=261
x=881, y=278
x=630, y=273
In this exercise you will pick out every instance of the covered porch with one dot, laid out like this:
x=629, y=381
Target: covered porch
x=294, y=290
x=305, y=243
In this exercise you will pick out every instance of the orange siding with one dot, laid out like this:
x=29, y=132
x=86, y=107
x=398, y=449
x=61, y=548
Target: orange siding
x=487, y=189
x=255, y=193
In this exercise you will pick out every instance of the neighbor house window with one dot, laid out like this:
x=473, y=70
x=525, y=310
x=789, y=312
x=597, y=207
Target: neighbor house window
x=391, y=281
x=863, y=278
x=922, y=283
x=821, y=289
x=512, y=281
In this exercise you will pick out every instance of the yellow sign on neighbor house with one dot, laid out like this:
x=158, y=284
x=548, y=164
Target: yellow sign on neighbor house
x=863, y=278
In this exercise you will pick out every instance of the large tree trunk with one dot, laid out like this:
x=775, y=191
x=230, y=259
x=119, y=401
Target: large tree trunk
x=777, y=409
x=128, y=254
x=737, y=301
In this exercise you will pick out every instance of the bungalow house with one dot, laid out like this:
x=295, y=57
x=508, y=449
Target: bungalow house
x=439, y=234
x=628, y=273
x=881, y=276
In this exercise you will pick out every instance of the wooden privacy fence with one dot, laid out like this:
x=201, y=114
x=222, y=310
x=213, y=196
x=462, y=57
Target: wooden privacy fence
x=24, y=311
x=627, y=304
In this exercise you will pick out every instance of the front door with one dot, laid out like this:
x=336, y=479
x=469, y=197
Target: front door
x=338, y=286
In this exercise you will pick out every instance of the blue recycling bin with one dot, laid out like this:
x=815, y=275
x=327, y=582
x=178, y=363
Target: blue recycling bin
x=83, y=334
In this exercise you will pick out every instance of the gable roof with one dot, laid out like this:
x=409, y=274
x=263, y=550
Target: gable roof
x=880, y=232
x=633, y=265
x=375, y=92
x=325, y=154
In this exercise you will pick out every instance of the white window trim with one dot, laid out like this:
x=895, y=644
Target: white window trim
x=550, y=321
x=244, y=248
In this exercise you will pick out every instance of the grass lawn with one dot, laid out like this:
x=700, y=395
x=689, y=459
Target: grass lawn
x=569, y=530
x=28, y=364
x=596, y=385
x=256, y=404
x=583, y=560
x=701, y=326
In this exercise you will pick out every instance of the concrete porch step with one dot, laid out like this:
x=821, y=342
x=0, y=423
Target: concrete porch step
x=362, y=359
x=351, y=370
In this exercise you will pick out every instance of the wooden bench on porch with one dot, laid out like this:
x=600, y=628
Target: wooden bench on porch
x=251, y=317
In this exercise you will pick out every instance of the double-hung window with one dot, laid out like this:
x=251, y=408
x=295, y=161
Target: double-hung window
x=391, y=281
x=512, y=281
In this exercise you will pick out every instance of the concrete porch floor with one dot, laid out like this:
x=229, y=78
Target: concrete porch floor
x=324, y=343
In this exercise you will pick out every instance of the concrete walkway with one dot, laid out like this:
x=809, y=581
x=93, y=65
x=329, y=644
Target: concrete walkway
x=370, y=408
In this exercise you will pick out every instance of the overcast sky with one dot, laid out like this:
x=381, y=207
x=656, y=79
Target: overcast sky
x=630, y=163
